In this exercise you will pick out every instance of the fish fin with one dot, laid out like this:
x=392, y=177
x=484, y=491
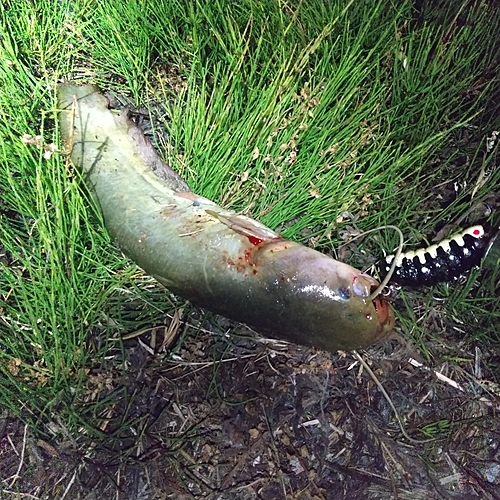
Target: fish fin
x=245, y=225
x=195, y=198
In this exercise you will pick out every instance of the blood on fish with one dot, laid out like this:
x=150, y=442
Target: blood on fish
x=248, y=256
x=229, y=261
x=254, y=240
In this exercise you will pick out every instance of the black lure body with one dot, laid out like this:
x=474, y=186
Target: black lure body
x=442, y=262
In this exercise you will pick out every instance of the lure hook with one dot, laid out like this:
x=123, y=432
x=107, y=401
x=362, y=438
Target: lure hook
x=388, y=277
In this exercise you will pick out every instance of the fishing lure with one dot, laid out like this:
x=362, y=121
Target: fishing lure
x=228, y=263
x=442, y=262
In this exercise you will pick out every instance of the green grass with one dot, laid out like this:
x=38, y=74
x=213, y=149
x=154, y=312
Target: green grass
x=311, y=116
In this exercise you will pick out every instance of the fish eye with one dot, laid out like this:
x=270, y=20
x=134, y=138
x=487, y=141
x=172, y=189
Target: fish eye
x=344, y=293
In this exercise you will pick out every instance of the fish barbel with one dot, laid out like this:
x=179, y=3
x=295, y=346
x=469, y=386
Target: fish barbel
x=225, y=262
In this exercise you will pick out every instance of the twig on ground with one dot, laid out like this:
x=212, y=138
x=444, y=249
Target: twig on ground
x=389, y=400
x=68, y=487
x=21, y=461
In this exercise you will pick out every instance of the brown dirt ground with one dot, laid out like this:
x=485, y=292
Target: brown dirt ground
x=240, y=417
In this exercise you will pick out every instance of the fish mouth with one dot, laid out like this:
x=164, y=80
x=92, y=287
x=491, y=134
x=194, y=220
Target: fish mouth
x=363, y=286
x=385, y=313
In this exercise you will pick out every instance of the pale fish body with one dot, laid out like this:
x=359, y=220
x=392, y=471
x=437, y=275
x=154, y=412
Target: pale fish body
x=228, y=263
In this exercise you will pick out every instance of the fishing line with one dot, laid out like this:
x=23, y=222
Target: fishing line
x=389, y=400
x=386, y=280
